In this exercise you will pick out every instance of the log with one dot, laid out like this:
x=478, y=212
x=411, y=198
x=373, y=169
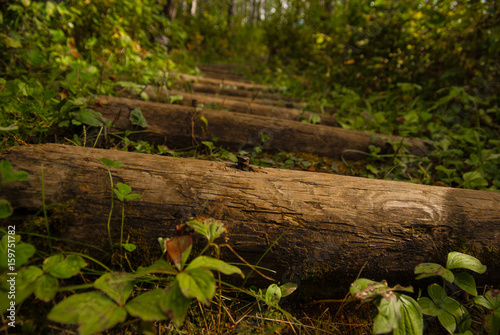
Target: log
x=233, y=92
x=325, y=228
x=249, y=106
x=237, y=84
x=181, y=127
x=222, y=71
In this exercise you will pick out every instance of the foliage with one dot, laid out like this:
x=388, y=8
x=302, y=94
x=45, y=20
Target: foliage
x=55, y=54
x=95, y=311
x=401, y=314
x=6, y=176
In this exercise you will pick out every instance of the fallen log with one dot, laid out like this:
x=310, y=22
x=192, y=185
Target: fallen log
x=181, y=127
x=238, y=84
x=321, y=229
x=233, y=92
x=222, y=71
x=157, y=94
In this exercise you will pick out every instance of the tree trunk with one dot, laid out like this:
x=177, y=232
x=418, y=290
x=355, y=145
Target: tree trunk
x=230, y=13
x=193, y=7
x=321, y=229
x=170, y=9
x=181, y=127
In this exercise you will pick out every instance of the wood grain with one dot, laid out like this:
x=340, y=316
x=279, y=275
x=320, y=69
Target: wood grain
x=327, y=227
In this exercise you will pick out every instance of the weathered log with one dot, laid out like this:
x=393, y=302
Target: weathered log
x=250, y=106
x=232, y=92
x=325, y=227
x=222, y=71
x=180, y=127
x=238, y=84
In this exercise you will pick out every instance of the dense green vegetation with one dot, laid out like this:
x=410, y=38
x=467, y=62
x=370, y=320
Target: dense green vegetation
x=426, y=70
x=423, y=69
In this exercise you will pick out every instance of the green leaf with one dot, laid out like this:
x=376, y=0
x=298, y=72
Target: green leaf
x=46, y=287
x=474, y=179
x=118, y=194
x=459, y=260
x=211, y=263
x=93, y=311
x=209, y=228
x=160, y=266
x=174, y=98
x=197, y=283
x=23, y=251
x=147, y=306
x=68, y=267
x=411, y=321
x=425, y=270
x=204, y=119
x=314, y=119
x=50, y=262
x=88, y=117
x=367, y=289
x=464, y=321
x=428, y=307
x=452, y=306
x=437, y=294
x=129, y=247
x=209, y=144
x=287, y=289
x=447, y=321
x=382, y=324
x=25, y=282
x=7, y=174
x=174, y=303
x=5, y=209
x=123, y=188
x=492, y=322
x=466, y=282
x=490, y=300
x=110, y=163
x=273, y=295
x=132, y=196
x=117, y=285
x=232, y=157
x=137, y=118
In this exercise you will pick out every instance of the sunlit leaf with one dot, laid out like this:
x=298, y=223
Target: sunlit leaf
x=197, y=283
x=425, y=270
x=459, y=260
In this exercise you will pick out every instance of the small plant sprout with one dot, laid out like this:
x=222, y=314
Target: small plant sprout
x=110, y=163
x=122, y=192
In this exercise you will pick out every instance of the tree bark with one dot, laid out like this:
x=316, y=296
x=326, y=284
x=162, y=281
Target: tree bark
x=193, y=7
x=320, y=229
x=181, y=127
x=231, y=10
